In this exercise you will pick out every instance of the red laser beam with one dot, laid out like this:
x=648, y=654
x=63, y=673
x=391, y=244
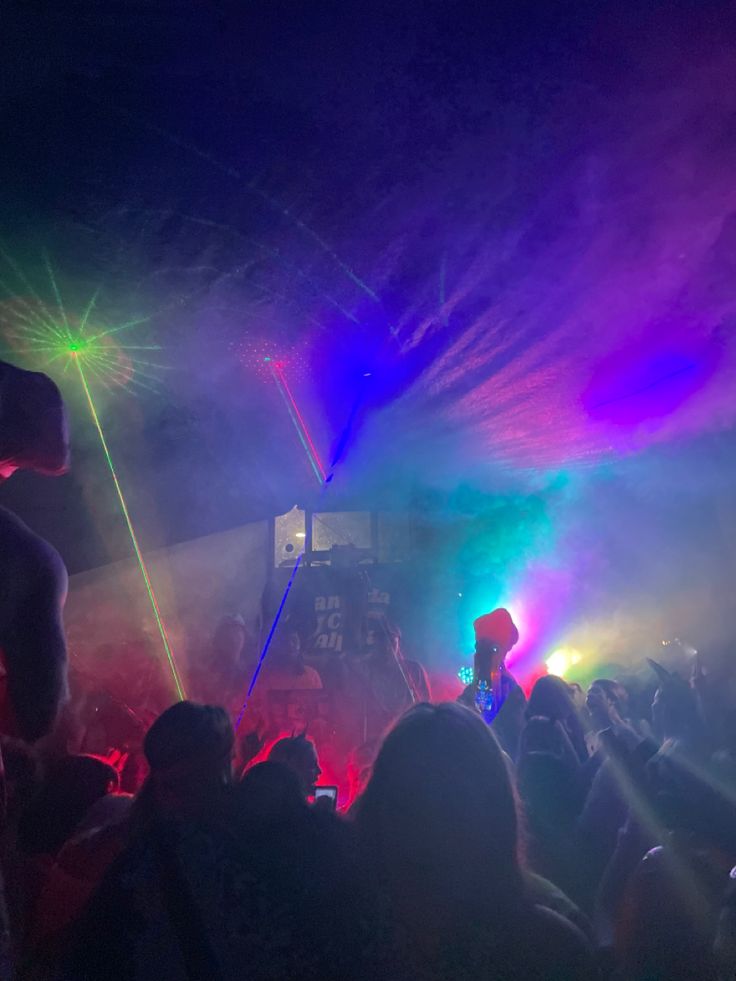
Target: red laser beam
x=313, y=449
x=292, y=416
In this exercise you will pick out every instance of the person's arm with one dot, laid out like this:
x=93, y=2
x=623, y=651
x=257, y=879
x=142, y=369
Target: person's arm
x=34, y=647
x=631, y=846
x=711, y=705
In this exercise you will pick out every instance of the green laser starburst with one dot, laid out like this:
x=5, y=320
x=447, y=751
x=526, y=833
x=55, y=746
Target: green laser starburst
x=47, y=332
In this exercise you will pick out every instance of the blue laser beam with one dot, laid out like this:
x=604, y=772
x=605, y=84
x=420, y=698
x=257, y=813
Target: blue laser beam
x=267, y=645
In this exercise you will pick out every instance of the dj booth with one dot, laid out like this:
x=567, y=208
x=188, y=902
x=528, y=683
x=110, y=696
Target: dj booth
x=355, y=567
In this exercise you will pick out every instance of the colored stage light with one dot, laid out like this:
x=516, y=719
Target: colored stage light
x=561, y=660
x=50, y=335
x=465, y=674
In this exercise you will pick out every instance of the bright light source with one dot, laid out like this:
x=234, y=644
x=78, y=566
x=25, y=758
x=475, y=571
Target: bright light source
x=465, y=675
x=300, y=534
x=561, y=660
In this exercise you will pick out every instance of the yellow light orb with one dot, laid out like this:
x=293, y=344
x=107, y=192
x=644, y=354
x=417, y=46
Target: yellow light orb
x=560, y=661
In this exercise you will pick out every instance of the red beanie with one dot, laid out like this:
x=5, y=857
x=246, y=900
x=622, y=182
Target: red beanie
x=497, y=626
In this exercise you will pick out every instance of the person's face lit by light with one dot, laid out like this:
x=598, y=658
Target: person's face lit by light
x=312, y=772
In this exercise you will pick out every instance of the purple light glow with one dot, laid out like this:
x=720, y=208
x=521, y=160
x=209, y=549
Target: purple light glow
x=646, y=381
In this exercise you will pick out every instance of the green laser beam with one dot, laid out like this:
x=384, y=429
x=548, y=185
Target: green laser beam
x=131, y=531
x=254, y=189
x=26, y=283
x=88, y=310
x=57, y=293
x=32, y=318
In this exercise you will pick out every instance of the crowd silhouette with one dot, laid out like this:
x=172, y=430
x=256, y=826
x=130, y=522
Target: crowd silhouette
x=597, y=839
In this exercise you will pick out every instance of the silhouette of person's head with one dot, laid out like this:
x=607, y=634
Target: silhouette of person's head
x=270, y=792
x=439, y=816
x=386, y=639
x=69, y=789
x=674, y=708
x=229, y=640
x=603, y=698
x=33, y=426
x=189, y=750
x=551, y=698
x=286, y=649
x=299, y=755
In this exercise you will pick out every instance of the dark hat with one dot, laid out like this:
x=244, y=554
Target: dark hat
x=33, y=427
